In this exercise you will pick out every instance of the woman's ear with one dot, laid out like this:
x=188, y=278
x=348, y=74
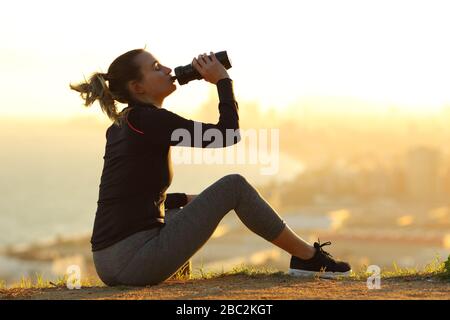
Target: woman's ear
x=135, y=87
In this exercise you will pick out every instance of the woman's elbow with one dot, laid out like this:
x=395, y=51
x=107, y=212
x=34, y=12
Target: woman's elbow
x=233, y=136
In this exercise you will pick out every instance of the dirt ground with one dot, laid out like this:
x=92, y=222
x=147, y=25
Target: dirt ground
x=239, y=287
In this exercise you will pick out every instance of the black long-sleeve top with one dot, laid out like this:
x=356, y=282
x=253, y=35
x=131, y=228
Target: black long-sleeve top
x=137, y=168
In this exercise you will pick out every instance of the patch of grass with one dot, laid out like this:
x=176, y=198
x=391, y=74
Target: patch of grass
x=241, y=269
x=61, y=282
x=435, y=269
x=254, y=272
x=184, y=273
x=446, y=272
x=25, y=283
x=39, y=282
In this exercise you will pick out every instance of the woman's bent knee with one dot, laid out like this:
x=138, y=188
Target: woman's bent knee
x=236, y=178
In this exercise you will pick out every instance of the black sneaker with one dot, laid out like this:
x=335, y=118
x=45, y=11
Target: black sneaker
x=322, y=264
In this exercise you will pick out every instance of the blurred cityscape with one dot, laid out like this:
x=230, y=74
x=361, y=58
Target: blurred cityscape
x=376, y=213
x=421, y=176
x=376, y=185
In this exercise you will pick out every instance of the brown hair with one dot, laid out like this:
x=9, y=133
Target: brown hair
x=122, y=70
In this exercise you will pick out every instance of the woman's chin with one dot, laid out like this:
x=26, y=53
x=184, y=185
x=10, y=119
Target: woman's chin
x=172, y=89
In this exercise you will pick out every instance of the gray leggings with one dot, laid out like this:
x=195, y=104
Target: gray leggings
x=152, y=256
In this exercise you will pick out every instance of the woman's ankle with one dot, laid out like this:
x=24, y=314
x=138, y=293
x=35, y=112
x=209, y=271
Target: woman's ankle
x=306, y=253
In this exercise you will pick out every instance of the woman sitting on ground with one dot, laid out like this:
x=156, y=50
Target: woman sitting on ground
x=142, y=235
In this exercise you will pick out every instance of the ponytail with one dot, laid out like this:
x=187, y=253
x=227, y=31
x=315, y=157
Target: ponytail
x=97, y=89
x=122, y=70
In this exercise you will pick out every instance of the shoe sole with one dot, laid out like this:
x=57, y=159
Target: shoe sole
x=324, y=274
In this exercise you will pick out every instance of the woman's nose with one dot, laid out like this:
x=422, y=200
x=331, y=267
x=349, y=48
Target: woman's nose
x=168, y=70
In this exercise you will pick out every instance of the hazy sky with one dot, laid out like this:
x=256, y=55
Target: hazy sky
x=383, y=52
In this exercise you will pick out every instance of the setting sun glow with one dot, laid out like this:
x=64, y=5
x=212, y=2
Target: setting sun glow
x=385, y=53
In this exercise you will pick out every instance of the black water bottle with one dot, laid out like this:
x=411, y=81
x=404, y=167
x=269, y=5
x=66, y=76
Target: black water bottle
x=186, y=73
